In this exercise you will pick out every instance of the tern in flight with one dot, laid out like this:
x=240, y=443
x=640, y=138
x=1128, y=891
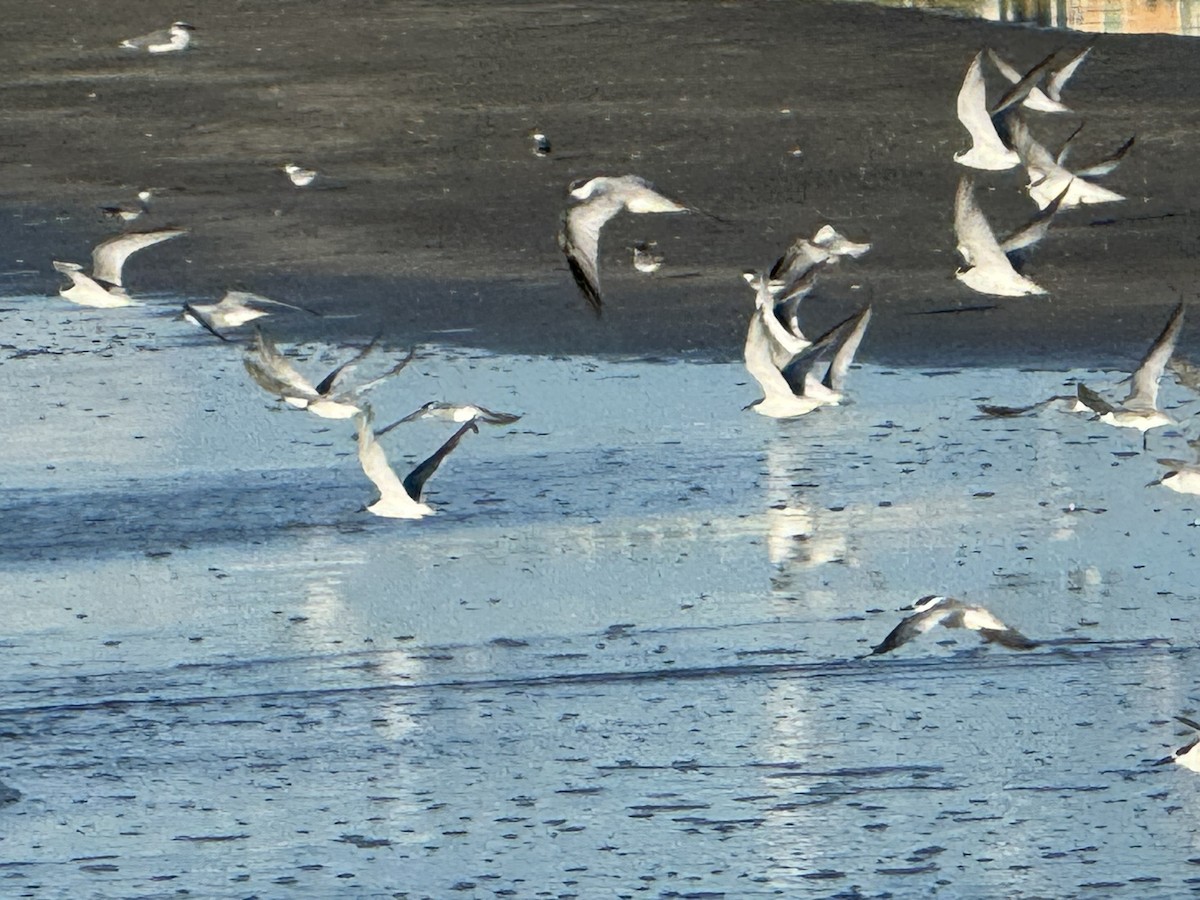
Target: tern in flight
x=1140, y=409
x=104, y=287
x=234, y=309
x=274, y=372
x=934, y=610
x=598, y=200
x=1049, y=177
x=453, y=412
x=988, y=149
x=987, y=268
x=399, y=499
x=793, y=276
x=166, y=40
x=1187, y=755
x=1049, y=100
x=793, y=389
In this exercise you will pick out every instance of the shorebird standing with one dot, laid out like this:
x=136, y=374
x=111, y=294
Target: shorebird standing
x=167, y=40
x=127, y=212
x=298, y=175
x=596, y=201
x=933, y=610
x=399, y=499
x=104, y=287
x=273, y=372
x=1140, y=409
x=541, y=143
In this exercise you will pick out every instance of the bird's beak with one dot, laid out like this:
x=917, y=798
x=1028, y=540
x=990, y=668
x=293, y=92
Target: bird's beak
x=1165, y=760
x=1154, y=482
x=905, y=608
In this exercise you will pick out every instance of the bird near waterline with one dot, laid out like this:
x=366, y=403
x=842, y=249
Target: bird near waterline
x=1049, y=100
x=399, y=499
x=596, y=201
x=1187, y=755
x=794, y=275
x=104, y=286
x=274, y=372
x=1140, y=409
x=794, y=389
x=232, y=310
x=453, y=412
x=166, y=40
x=934, y=609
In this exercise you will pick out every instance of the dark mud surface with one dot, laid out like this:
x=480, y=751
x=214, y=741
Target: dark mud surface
x=439, y=216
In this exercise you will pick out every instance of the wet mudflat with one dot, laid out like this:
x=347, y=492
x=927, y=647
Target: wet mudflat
x=622, y=660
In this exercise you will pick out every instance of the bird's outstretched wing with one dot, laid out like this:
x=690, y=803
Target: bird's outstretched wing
x=579, y=240
x=414, y=484
x=1143, y=393
x=108, y=257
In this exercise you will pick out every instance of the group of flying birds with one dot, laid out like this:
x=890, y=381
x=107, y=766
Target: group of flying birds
x=797, y=375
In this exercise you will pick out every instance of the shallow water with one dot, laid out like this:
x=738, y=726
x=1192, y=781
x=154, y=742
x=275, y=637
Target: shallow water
x=622, y=660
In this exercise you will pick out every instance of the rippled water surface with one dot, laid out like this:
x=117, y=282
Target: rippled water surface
x=622, y=660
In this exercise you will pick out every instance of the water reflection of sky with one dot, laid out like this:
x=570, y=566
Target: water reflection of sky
x=644, y=636
x=1096, y=16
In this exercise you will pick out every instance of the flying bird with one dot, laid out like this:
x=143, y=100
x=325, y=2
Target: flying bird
x=104, y=287
x=234, y=309
x=933, y=610
x=1140, y=409
x=596, y=201
x=453, y=412
x=794, y=389
x=1049, y=177
x=987, y=268
x=1187, y=755
x=794, y=275
x=399, y=499
x=329, y=399
x=1049, y=100
x=988, y=149
x=167, y=40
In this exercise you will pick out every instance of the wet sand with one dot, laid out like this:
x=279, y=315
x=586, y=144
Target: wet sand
x=441, y=217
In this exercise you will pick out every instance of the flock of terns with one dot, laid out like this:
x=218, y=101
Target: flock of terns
x=797, y=375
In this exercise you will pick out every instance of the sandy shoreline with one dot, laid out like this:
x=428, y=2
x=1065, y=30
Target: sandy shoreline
x=446, y=220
